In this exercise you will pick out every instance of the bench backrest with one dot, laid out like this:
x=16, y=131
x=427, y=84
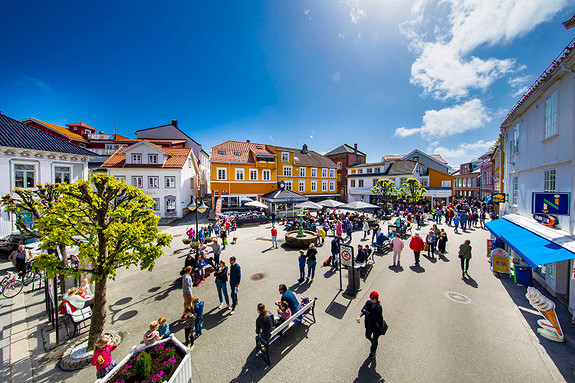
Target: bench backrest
x=78, y=315
x=291, y=319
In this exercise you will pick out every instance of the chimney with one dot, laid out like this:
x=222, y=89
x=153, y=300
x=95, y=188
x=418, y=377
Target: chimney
x=304, y=149
x=248, y=141
x=355, y=147
x=175, y=123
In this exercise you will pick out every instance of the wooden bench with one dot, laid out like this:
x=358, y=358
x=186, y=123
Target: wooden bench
x=78, y=316
x=263, y=347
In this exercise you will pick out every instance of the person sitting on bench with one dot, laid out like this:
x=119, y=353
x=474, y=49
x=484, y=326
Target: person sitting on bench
x=361, y=254
x=264, y=323
x=284, y=313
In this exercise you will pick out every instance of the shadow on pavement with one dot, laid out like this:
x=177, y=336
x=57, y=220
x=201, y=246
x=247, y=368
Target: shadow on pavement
x=417, y=269
x=443, y=258
x=300, y=287
x=470, y=281
x=429, y=258
x=336, y=309
x=560, y=353
x=214, y=317
x=396, y=269
x=367, y=372
x=255, y=369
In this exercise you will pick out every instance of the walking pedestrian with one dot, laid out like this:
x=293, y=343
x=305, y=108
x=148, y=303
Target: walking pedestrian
x=430, y=240
x=397, y=246
x=311, y=261
x=102, y=358
x=224, y=237
x=456, y=221
x=187, y=288
x=273, y=217
x=301, y=259
x=465, y=256
x=235, y=279
x=375, y=325
x=335, y=242
x=441, y=242
x=365, y=228
x=274, y=237
x=348, y=229
x=416, y=244
x=221, y=275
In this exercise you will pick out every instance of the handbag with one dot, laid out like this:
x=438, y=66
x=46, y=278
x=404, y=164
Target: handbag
x=426, y=247
x=383, y=328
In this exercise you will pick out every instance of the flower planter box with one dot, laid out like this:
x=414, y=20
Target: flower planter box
x=182, y=372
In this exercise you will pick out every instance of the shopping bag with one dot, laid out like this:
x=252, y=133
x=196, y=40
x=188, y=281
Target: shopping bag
x=426, y=247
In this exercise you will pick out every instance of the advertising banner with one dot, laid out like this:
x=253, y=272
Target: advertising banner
x=500, y=261
x=219, y=207
x=489, y=247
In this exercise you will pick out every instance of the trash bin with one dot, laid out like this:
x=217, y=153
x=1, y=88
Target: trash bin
x=523, y=275
x=353, y=279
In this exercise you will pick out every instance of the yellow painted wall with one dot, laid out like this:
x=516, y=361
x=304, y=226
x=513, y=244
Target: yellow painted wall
x=435, y=178
x=247, y=186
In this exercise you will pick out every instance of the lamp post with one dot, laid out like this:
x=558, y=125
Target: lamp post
x=193, y=206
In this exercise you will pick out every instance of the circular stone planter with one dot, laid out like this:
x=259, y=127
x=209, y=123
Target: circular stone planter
x=292, y=239
x=76, y=356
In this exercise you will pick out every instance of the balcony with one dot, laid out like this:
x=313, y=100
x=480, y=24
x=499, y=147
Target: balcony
x=101, y=151
x=101, y=137
x=265, y=165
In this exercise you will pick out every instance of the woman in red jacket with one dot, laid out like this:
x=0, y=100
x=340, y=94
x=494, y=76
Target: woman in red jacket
x=416, y=244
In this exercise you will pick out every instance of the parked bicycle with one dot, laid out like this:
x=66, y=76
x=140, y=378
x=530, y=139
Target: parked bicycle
x=11, y=285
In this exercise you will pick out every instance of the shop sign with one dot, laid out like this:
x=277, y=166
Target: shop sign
x=489, y=246
x=546, y=219
x=550, y=270
x=550, y=203
x=500, y=261
x=498, y=197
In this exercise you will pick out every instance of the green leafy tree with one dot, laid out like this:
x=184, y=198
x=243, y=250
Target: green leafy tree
x=113, y=225
x=412, y=191
x=385, y=189
x=34, y=202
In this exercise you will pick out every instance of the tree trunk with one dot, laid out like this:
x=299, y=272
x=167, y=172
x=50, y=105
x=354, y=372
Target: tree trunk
x=98, y=311
x=64, y=263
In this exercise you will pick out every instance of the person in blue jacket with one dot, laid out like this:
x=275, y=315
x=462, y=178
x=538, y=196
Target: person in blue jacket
x=235, y=278
x=291, y=300
x=199, y=312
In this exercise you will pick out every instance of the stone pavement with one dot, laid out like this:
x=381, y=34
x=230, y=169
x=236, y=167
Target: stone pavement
x=431, y=338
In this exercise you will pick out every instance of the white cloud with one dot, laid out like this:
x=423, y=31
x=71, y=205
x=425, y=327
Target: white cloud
x=38, y=83
x=449, y=121
x=444, y=33
x=519, y=84
x=356, y=12
x=462, y=153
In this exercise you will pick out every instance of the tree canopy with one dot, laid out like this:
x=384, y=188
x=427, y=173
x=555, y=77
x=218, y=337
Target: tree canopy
x=412, y=190
x=385, y=189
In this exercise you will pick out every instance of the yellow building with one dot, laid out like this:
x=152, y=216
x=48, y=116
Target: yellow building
x=306, y=172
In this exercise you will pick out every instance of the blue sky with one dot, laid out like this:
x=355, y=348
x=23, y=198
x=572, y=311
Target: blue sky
x=390, y=75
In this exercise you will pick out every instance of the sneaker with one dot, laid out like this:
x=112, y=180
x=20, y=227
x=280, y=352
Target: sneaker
x=229, y=307
x=221, y=305
x=232, y=312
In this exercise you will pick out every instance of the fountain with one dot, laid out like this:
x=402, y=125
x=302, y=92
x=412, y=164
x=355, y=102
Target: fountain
x=300, y=239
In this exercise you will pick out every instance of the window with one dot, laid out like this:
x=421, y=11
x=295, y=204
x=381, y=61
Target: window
x=136, y=158
x=287, y=171
x=468, y=182
x=156, y=205
x=359, y=171
x=152, y=158
x=237, y=154
x=285, y=156
x=324, y=173
x=360, y=183
x=424, y=183
x=353, y=171
x=515, y=190
x=473, y=182
x=515, y=142
x=266, y=174
x=377, y=170
x=549, y=182
x=352, y=183
x=222, y=174
x=551, y=115
x=138, y=181
x=240, y=174
x=121, y=178
x=153, y=182
x=253, y=174
x=289, y=185
x=24, y=176
x=221, y=152
x=111, y=146
x=369, y=170
x=301, y=186
x=302, y=172
x=313, y=172
x=331, y=185
x=339, y=164
x=62, y=174
x=323, y=186
x=416, y=158
x=170, y=182
x=170, y=205
x=313, y=186
x=375, y=182
x=331, y=173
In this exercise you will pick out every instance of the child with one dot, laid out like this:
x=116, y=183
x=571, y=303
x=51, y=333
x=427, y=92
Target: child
x=284, y=313
x=201, y=265
x=188, y=326
x=152, y=335
x=301, y=260
x=86, y=289
x=102, y=358
x=164, y=328
x=199, y=312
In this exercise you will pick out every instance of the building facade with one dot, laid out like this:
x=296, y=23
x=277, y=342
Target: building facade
x=29, y=156
x=345, y=156
x=165, y=174
x=486, y=168
x=467, y=180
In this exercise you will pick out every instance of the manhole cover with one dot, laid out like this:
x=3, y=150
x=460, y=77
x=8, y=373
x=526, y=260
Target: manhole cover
x=459, y=298
x=257, y=276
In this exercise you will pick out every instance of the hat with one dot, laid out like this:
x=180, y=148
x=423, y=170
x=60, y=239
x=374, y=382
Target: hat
x=374, y=295
x=417, y=233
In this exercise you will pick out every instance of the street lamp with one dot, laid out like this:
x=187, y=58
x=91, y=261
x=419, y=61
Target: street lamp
x=193, y=206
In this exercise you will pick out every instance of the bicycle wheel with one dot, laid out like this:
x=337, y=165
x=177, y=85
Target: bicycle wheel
x=12, y=288
x=29, y=277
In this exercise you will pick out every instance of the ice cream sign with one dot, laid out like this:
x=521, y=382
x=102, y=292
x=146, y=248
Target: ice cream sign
x=500, y=261
x=549, y=327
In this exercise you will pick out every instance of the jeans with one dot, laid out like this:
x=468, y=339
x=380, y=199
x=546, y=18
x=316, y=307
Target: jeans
x=311, y=269
x=372, y=334
x=222, y=289
x=431, y=249
x=416, y=255
x=302, y=273
x=189, y=336
x=234, y=297
x=198, y=325
x=396, y=254
x=463, y=225
x=464, y=264
x=275, y=241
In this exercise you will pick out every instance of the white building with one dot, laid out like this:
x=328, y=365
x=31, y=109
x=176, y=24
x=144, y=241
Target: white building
x=29, y=156
x=538, y=141
x=164, y=173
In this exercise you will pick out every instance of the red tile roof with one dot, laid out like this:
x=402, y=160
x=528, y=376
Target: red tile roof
x=239, y=151
x=59, y=129
x=176, y=160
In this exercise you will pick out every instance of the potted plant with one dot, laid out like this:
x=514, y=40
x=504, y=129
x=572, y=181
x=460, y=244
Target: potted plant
x=186, y=241
x=165, y=361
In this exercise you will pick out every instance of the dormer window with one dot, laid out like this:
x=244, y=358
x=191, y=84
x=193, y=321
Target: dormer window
x=152, y=159
x=259, y=146
x=221, y=152
x=136, y=158
x=237, y=154
x=285, y=156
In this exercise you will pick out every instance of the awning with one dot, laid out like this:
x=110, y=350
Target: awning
x=534, y=249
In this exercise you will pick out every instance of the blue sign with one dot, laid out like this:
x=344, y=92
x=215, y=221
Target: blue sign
x=551, y=203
